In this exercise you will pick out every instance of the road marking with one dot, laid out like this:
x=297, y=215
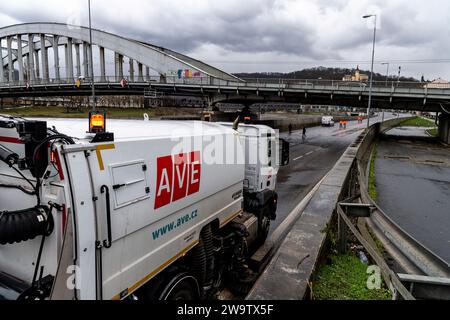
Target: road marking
x=306, y=154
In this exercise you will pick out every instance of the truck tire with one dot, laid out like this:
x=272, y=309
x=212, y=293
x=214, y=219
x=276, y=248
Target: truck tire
x=264, y=224
x=181, y=287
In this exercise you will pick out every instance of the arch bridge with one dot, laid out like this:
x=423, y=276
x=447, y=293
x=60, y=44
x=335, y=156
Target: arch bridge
x=52, y=59
x=41, y=53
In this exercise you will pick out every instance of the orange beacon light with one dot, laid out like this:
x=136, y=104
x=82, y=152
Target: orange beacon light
x=97, y=122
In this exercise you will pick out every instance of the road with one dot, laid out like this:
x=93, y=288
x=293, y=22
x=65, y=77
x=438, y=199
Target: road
x=310, y=161
x=413, y=185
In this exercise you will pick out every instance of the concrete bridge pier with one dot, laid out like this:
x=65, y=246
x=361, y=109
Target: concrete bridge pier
x=31, y=71
x=20, y=57
x=77, y=59
x=37, y=69
x=147, y=73
x=44, y=59
x=56, y=57
x=140, y=74
x=118, y=66
x=444, y=127
x=10, y=63
x=102, y=64
x=131, y=69
x=85, y=60
x=2, y=72
x=69, y=60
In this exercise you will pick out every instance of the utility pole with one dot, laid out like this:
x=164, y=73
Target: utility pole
x=371, y=70
x=387, y=77
x=92, y=60
x=398, y=77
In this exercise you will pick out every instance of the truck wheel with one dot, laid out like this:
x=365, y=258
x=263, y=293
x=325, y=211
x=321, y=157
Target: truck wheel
x=264, y=225
x=181, y=287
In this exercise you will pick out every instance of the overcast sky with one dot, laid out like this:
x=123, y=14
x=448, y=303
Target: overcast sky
x=269, y=35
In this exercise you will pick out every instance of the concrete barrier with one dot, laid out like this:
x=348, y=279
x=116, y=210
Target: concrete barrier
x=444, y=128
x=280, y=121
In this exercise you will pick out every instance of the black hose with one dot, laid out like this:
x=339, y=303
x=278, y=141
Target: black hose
x=198, y=263
x=207, y=237
x=26, y=224
x=36, y=150
x=202, y=259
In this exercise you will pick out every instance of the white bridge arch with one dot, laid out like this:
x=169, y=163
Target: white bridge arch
x=27, y=46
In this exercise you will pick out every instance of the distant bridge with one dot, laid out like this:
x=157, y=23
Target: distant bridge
x=25, y=71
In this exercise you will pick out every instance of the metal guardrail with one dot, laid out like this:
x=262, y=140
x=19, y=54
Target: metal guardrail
x=436, y=282
x=344, y=211
x=422, y=257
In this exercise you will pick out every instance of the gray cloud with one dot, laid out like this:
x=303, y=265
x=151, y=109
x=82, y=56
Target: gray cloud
x=265, y=31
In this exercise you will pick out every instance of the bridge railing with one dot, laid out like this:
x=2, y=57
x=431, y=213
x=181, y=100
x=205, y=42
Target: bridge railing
x=275, y=83
x=341, y=83
x=81, y=80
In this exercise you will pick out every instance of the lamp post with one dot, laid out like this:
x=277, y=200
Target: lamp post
x=91, y=58
x=387, y=77
x=371, y=70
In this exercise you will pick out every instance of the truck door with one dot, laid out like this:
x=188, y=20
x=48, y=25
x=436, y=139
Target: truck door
x=121, y=187
x=85, y=233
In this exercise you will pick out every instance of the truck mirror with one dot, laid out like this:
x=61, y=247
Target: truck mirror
x=284, y=152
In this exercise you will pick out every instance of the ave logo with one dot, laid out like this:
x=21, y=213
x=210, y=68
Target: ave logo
x=177, y=176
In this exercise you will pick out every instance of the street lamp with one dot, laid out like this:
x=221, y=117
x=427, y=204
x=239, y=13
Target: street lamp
x=387, y=77
x=398, y=77
x=91, y=58
x=371, y=70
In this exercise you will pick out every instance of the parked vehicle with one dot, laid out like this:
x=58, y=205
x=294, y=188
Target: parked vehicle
x=327, y=121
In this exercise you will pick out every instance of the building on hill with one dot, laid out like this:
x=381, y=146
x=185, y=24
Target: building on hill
x=438, y=84
x=356, y=76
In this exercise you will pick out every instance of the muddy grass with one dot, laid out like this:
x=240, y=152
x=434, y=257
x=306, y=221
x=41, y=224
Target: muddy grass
x=112, y=113
x=345, y=278
x=417, y=122
x=372, y=181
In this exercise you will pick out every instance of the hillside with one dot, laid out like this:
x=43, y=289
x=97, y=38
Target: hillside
x=316, y=73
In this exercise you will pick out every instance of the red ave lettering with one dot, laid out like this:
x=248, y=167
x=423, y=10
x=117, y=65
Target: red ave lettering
x=177, y=177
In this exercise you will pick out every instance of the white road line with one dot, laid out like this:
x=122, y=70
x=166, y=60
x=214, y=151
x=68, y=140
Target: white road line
x=306, y=154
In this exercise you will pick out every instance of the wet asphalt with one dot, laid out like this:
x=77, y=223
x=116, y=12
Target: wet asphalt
x=413, y=185
x=311, y=160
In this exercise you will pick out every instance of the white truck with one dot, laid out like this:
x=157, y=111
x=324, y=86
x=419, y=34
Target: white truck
x=148, y=210
x=328, y=121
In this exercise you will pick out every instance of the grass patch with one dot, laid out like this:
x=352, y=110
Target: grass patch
x=112, y=113
x=417, y=122
x=372, y=181
x=433, y=132
x=346, y=279
x=62, y=112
